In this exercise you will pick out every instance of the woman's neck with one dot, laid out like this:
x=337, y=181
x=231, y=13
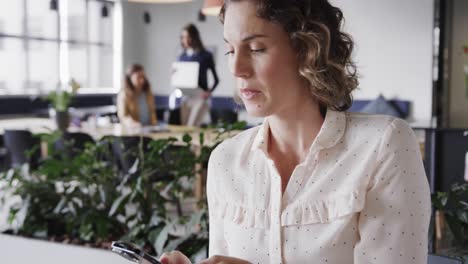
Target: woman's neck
x=190, y=51
x=293, y=132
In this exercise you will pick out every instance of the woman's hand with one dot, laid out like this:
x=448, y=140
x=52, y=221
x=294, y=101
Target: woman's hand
x=224, y=260
x=129, y=122
x=174, y=257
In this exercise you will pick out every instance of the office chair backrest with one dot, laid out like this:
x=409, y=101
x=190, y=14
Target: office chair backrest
x=125, y=150
x=18, y=143
x=3, y=156
x=73, y=143
x=223, y=116
x=174, y=117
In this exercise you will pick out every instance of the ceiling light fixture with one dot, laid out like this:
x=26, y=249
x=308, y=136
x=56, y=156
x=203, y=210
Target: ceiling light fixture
x=104, y=11
x=53, y=5
x=147, y=17
x=212, y=7
x=201, y=16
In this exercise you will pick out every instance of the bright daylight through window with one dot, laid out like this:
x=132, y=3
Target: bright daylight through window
x=73, y=38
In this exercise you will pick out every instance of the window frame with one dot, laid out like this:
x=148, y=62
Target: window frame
x=62, y=42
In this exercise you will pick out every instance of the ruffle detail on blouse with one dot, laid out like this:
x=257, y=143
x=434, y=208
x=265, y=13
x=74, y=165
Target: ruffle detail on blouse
x=308, y=212
x=243, y=216
x=324, y=211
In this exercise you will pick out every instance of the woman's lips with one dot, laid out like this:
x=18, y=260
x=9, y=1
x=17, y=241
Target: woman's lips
x=248, y=94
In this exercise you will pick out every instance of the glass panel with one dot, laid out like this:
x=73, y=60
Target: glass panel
x=78, y=64
x=12, y=70
x=100, y=28
x=43, y=78
x=42, y=21
x=101, y=64
x=11, y=17
x=76, y=20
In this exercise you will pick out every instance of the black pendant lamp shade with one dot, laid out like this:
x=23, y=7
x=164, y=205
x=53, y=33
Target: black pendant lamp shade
x=53, y=5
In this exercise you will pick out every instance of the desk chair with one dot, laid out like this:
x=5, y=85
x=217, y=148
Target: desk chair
x=3, y=155
x=73, y=143
x=125, y=150
x=174, y=117
x=18, y=143
x=223, y=116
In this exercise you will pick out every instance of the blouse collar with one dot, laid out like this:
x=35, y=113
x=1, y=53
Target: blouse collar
x=330, y=133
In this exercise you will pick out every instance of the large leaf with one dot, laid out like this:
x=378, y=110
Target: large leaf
x=463, y=216
x=174, y=244
x=118, y=204
x=162, y=239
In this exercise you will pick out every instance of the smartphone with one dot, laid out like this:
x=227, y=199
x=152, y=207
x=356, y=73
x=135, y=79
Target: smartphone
x=133, y=253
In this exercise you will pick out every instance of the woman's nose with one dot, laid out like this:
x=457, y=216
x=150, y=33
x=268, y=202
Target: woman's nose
x=240, y=66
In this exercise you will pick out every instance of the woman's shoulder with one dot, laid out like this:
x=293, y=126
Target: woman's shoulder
x=377, y=123
x=379, y=130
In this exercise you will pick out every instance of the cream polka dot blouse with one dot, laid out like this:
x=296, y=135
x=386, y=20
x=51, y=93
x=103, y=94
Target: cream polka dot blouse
x=361, y=196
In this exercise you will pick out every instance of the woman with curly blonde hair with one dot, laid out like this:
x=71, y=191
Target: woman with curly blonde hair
x=312, y=184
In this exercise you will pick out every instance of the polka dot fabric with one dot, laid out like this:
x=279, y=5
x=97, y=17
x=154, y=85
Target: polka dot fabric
x=361, y=196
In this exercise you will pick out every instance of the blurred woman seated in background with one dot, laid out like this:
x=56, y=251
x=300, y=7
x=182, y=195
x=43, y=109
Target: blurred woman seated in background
x=135, y=102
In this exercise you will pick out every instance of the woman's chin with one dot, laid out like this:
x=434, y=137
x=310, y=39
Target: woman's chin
x=255, y=110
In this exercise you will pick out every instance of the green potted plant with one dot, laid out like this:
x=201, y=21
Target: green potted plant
x=453, y=205
x=85, y=199
x=60, y=100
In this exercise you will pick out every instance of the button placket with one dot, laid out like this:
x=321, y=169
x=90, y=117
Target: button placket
x=299, y=176
x=275, y=218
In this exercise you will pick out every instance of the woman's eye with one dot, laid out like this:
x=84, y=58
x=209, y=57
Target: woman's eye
x=257, y=50
x=229, y=52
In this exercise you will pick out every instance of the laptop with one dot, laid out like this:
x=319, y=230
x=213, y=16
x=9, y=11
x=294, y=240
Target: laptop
x=185, y=76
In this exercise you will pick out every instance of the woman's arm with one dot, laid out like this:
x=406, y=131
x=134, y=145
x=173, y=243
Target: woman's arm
x=124, y=118
x=394, y=223
x=121, y=105
x=215, y=74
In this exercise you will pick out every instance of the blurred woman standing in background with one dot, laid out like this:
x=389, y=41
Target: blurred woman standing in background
x=195, y=105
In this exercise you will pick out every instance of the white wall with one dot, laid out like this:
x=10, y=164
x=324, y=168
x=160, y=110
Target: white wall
x=156, y=45
x=393, y=39
x=458, y=114
x=393, y=49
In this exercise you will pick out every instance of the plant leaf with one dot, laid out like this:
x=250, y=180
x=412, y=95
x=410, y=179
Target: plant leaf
x=117, y=203
x=161, y=240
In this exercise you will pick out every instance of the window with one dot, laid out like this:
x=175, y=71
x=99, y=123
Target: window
x=11, y=17
x=42, y=48
x=12, y=74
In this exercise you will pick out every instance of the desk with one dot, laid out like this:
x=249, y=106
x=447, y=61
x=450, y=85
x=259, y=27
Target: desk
x=46, y=125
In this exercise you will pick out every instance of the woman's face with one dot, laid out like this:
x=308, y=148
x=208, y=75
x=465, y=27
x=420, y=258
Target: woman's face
x=262, y=60
x=185, y=39
x=138, y=80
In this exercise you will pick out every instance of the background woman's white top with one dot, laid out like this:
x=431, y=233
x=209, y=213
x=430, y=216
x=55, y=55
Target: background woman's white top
x=361, y=196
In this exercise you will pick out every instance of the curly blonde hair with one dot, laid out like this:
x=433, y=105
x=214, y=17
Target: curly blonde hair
x=323, y=50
